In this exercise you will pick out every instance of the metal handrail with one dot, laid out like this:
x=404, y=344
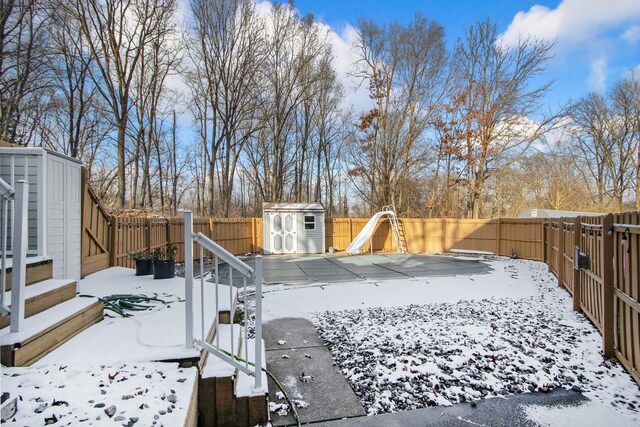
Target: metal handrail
x=6, y=191
x=223, y=254
x=233, y=263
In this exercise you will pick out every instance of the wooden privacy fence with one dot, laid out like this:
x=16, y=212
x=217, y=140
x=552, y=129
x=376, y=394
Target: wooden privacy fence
x=95, y=244
x=523, y=237
x=238, y=236
x=607, y=289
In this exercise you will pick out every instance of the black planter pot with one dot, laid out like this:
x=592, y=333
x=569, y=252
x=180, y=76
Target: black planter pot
x=144, y=267
x=164, y=269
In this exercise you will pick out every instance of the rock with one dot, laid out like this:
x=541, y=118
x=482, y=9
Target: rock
x=120, y=418
x=172, y=398
x=181, y=380
x=134, y=419
x=576, y=388
x=128, y=396
x=103, y=391
x=40, y=408
x=110, y=411
x=99, y=405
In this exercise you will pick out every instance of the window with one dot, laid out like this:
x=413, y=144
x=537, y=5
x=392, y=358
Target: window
x=309, y=222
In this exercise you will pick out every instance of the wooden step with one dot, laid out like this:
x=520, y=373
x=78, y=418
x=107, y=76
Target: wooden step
x=45, y=331
x=252, y=406
x=216, y=403
x=38, y=269
x=43, y=295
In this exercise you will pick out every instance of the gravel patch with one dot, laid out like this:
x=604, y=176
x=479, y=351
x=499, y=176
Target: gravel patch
x=444, y=353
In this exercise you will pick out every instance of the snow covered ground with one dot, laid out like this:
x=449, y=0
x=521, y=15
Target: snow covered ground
x=156, y=334
x=143, y=394
x=406, y=344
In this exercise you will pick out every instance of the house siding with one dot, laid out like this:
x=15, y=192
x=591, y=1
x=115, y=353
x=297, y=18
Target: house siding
x=20, y=162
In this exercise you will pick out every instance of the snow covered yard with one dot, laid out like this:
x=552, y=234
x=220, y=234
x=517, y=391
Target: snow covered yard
x=148, y=335
x=144, y=394
x=109, y=372
x=406, y=344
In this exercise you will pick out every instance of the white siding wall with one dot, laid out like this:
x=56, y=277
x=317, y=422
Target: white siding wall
x=17, y=167
x=63, y=216
x=310, y=241
x=266, y=232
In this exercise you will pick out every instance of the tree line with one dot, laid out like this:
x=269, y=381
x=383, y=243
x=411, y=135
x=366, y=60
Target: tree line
x=460, y=130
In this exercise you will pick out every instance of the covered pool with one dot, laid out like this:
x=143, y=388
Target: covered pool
x=307, y=269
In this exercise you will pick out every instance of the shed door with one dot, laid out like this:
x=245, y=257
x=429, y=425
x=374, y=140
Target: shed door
x=283, y=233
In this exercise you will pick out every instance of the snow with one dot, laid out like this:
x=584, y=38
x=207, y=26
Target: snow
x=30, y=260
x=152, y=335
x=34, y=325
x=302, y=301
x=469, y=251
x=82, y=395
x=589, y=414
x=41, y=288
x=412, y=343
x=216, y=367
x=245, y=384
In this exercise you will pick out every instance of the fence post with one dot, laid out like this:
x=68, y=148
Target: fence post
x=350, y=232
x=560, y=265
x=188, y=278
x=608, y=321
x=577, y=231
x=19, y=246
x=147, y=234
x=254, y=230
x=444, y=235
x=498, y=231
x=545, y=257
x=114, y=241
x=258, y=329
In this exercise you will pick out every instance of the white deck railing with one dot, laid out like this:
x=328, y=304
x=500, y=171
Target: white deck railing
x=246, y=272
x=19, y=198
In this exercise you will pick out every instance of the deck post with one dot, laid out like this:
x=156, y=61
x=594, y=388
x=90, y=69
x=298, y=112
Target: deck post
x=19, y=246
x=577, y=232
x=258, y=343
x=188, y=278
x=560, y=266
x=608, y=293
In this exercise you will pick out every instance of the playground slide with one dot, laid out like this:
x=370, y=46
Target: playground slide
x=363, y=237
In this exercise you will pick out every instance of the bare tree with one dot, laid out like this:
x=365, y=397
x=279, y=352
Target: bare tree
x=117, y=32
x=24, y=68
x=403, y=66
x=497, y=103
x=227, y=50
x=605, y=128
x=295, y=47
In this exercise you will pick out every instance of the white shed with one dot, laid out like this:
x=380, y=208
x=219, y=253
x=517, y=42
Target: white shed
x=54, y=204
x=293, y=228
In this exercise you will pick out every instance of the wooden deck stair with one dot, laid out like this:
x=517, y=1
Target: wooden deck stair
x=53, y=315
x=223, y=399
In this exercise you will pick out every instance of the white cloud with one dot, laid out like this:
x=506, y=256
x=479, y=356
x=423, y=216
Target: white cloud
x=632, y=34
x=344, y=58
x=573, y=21
x=599, y=74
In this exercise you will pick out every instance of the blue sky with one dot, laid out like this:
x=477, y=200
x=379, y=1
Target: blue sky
x=597, y=40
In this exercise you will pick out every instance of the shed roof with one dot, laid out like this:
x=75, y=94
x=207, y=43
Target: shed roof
x=314, y=207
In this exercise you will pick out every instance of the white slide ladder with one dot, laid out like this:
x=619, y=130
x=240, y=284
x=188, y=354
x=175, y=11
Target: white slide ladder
x=365, y=234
